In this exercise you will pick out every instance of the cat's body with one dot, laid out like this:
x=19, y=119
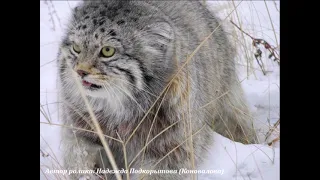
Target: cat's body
x=152, y=40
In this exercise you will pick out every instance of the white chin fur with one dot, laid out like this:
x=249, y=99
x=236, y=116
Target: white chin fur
x=99, y=93
x=113, y=101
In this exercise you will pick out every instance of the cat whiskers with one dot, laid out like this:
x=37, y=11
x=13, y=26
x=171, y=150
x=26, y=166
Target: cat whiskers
x=134, y=86
x=106, y=85
x=126, y=94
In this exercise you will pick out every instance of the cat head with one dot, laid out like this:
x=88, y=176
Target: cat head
x=120, y=51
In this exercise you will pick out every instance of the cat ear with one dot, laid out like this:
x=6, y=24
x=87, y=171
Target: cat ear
x=158, y=36
x=162, y=29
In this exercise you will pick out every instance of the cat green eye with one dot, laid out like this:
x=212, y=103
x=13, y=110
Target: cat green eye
x=76, y=48
x=107, y=51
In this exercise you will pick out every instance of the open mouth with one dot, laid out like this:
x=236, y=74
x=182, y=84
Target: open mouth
x=90, y=85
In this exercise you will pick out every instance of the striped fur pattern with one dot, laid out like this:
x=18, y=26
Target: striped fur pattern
x=152, y=40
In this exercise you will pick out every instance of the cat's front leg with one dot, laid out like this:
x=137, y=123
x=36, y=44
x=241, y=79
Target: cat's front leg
x=79, y=156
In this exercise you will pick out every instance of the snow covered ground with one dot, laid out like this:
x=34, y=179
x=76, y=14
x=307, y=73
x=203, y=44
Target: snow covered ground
x=237, y=161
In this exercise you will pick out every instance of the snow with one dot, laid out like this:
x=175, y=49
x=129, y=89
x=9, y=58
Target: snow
x=237, y=161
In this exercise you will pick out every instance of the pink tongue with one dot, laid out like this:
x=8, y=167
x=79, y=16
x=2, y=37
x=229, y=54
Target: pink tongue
x=85, y=83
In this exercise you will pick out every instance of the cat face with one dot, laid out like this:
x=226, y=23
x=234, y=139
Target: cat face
x=118, y=52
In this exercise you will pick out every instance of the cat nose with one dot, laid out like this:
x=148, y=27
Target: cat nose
x=82, y=73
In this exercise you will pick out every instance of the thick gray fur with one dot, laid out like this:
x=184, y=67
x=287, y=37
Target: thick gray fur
x=153, y=39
